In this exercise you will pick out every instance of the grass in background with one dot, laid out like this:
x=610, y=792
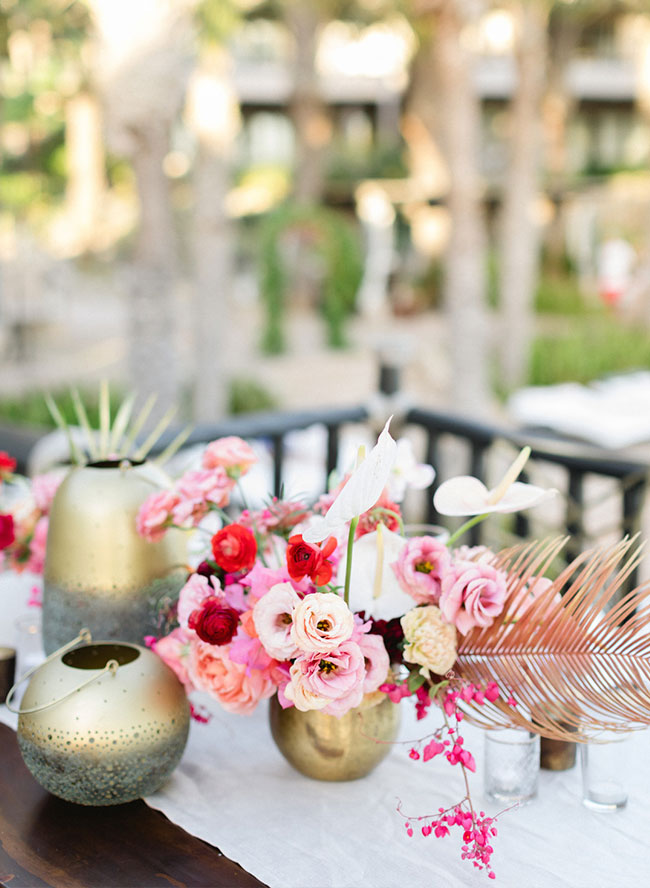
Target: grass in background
x=596, y=346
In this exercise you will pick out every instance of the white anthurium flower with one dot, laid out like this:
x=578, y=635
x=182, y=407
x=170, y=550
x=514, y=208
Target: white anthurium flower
x=360, y=493
x=407, y=472
x=391, y=601
x=466, y=495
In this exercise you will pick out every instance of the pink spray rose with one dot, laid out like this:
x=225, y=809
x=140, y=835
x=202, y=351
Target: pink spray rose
x=237, y=688
x=321, y=622
x=196, y=490
x=473, y=594
x=273, y=617
x=420, y=567
x=232, y=454
x=43, y=489
x=155, y=515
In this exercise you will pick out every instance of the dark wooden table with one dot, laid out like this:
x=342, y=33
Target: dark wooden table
x=45, y=841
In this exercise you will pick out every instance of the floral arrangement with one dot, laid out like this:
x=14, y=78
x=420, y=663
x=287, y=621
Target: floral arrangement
x=327, y=604
x=24, y=510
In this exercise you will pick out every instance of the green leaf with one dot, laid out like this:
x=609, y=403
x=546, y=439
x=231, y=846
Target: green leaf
x=415, y=681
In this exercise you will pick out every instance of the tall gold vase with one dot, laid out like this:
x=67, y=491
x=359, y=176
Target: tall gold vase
x=328, y=748
x=99, y=572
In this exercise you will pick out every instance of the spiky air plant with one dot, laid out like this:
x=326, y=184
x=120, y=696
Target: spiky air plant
x=116, y=440
x=576, y=659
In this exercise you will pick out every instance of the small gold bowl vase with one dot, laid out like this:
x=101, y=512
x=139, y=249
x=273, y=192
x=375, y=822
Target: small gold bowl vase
x=103, y=724
x=98, y=571
x=325, y=747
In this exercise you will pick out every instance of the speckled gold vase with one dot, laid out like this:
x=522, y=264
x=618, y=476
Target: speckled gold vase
x=116, y=739
x=328, y=748
x=98, y=571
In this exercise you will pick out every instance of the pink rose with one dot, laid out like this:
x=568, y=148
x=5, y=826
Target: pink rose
x=43, y=489
x=237, y=688
x=473, y=594
x=273, y=617
x=420, y=567
x=155, y=514
x=194, y=593
x=232, y=454
x=196, y=490
x=173, y=650
x=318, y=681
x=321, y=623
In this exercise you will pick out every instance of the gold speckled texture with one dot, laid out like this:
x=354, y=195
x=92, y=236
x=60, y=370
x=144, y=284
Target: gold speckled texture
x=328, y=748
x=113, y=741
x=99, y=572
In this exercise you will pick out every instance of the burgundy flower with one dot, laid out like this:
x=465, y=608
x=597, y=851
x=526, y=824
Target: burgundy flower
x=7, y=533
x=205, y=569
x=234, y=548
x=214, y=622
x=392, y=633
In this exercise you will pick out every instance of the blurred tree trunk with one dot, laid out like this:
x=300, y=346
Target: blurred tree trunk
x=153, y=364
x=85, y=167
x=559, y=104
x=142, y=70
x=309, y=112
x=519, y=228
x=465, y=266
x=213, y=116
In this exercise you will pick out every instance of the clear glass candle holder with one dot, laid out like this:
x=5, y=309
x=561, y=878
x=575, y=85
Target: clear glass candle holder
x=511, y=765
x=602, y=764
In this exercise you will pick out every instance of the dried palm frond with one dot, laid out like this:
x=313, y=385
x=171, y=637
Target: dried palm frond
x=116, y=440
x=577, y=658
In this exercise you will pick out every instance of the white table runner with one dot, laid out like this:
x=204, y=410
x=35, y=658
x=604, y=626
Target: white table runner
x=234, y=790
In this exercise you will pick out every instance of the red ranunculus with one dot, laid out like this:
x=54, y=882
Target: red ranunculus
x=7, y=533
x=214, y=622
x=234, y=548
x=7, y=464
x=304, y=559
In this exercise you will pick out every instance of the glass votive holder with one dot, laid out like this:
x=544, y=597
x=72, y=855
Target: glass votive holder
x=602, y=764
x=28, y=641
x=511, y=765
x=429, y=530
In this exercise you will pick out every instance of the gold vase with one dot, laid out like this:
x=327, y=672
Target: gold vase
x=99, y=573
x=103, y=724
x=328, y=748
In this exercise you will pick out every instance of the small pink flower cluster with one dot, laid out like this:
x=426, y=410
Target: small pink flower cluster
x=478, y=832
x=196, y=492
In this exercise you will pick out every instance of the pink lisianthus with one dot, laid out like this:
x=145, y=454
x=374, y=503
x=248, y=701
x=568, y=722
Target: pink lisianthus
x=473, y=594
x=420, y=568
x=155, y=515
x=260, y=580
x=321, y=623
x=273, y=617
x=173, y=650
x=232, y=454
x=318, y=681
x=236, y=687
x=194, y=593
x=376, y=661
x=43, y=489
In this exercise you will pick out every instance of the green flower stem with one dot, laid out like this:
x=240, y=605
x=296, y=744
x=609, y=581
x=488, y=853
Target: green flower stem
x=466, y=526
x=348, y=566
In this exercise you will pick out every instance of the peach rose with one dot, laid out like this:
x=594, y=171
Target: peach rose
x=430, y=642
x=236, y=687
x=321, y=622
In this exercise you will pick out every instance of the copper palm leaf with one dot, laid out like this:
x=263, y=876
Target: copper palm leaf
x=576, y=664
